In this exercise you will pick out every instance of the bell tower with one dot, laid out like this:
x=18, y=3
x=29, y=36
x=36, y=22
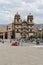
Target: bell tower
x=16, y=18
x=30, y=24
x=30, y=18
x=17, y=25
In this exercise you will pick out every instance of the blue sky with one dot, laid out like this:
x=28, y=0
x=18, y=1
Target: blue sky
x=8, y=9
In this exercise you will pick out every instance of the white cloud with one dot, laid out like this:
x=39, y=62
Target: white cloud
x=4, y=1
x=6, y=16
x=24, y=7
x=38, y=20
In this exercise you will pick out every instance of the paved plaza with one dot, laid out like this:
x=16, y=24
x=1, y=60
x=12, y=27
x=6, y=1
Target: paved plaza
x=21, y=55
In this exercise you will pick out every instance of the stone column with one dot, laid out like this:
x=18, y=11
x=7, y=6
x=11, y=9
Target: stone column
x=4, y=35
x=9, y=35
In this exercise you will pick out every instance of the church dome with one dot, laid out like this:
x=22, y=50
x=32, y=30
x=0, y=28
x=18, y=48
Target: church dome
x=17, y=16
x=30, y=16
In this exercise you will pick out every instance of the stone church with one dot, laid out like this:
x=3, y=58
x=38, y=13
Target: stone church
x=18, y=28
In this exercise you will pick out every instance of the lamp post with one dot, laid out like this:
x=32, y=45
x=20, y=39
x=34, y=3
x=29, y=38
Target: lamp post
x=37, y=33
x=40, y=34
x=4, y=35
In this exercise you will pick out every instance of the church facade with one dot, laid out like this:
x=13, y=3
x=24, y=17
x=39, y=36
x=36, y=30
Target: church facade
x=19, y=29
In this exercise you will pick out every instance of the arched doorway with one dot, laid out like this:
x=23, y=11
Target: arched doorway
x=1, y=36
x=6, y=35
x=13, y=35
